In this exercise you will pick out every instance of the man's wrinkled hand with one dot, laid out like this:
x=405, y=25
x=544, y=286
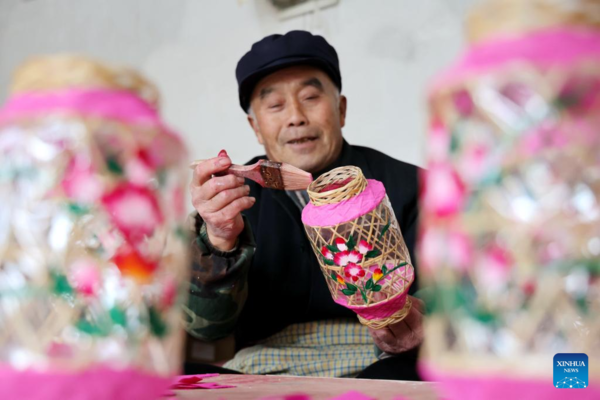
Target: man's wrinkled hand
x=404, y=335
x=220, y=200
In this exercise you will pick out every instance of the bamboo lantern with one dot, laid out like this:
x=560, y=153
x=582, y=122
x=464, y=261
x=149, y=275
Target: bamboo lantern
x=92, y=249
x=357, y=240
x=509, y=245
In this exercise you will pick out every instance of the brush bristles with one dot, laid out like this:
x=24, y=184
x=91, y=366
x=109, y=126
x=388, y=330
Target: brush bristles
x=295, y=178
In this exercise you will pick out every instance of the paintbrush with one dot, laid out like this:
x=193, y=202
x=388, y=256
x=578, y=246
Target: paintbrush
x=269, y=174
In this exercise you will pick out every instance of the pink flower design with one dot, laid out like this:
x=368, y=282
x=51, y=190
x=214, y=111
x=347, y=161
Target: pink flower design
x=343, y=258
x=497, y=258
x=439, y=142
x=138, y=172
x=169, y=294
x=474, y=162
x=80, y=183
x=545, y=136
x=341, y=244
x=444, y=193
x=150, y=156
x=134, y=210
x=85, y=277
x=463, y=102
x=528, y=288
x=355, y=257
x=439, y=247
x=494, y=267
x=354, y=271
x=326, y=253
x=364, y=247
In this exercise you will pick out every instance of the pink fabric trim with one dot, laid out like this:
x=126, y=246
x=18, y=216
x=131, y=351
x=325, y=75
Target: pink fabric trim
x=94, y=384
x=550, y=47
x=379, y=310
x=469, y=387
x=114, y=104
x=334, y=214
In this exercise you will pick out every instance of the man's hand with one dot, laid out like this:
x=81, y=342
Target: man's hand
x=404, y=335
x=220, y=200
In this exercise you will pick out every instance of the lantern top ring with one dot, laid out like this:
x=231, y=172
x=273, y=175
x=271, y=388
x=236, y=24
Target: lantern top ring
x=337, y=185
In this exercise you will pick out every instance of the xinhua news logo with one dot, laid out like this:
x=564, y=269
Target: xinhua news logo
x=571, y=371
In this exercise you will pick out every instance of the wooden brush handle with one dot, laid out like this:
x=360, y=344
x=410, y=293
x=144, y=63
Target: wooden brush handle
x=252, y=172
x=233, y=169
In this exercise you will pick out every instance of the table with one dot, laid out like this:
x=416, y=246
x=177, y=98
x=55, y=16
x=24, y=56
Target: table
x=275, y=387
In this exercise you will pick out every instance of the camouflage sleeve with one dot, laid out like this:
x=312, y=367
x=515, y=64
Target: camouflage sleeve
x=218, y=286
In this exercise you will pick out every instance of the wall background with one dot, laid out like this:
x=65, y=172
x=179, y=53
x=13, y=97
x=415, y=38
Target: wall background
x=388, y=50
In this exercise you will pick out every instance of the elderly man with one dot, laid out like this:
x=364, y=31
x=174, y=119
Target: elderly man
x=254, y=272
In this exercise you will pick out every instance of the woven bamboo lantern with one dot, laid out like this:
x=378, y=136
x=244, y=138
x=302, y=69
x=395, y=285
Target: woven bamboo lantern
x=92, y=250
x=357, y=240
x=509, y=245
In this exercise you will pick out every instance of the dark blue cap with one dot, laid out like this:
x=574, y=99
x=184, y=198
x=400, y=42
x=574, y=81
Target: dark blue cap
x=279, y=51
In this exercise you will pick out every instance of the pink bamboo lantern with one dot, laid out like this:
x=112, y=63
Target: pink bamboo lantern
x=92, y=250
x=510, y=216
x=355, y=235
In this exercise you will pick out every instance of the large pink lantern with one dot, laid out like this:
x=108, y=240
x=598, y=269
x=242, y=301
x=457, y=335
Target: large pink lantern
x=509, y=245
x=92, y=248
x=356, y=237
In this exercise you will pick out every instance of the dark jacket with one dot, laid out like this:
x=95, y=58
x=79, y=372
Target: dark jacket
x=285, y=282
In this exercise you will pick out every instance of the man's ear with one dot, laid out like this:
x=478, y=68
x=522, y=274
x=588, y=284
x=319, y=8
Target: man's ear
x=255, y=128
x=342, y=108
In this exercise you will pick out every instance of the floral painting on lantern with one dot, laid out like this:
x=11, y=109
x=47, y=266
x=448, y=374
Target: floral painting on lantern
x=354, y=277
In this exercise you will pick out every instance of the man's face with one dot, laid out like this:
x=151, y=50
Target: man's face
x=298, y=115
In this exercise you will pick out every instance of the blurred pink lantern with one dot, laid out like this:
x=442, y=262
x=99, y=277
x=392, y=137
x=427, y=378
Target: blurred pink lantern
x=508, y=248
x=93, y=178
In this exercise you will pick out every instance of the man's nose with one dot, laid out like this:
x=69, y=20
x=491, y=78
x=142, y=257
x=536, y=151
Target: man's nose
x=296, y=116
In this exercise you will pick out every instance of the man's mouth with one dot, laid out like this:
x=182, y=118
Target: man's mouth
x=303, y=140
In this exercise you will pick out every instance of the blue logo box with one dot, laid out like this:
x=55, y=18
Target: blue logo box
x=571, y=371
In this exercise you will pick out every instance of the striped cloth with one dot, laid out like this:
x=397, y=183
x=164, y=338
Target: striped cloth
x=331, y=348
